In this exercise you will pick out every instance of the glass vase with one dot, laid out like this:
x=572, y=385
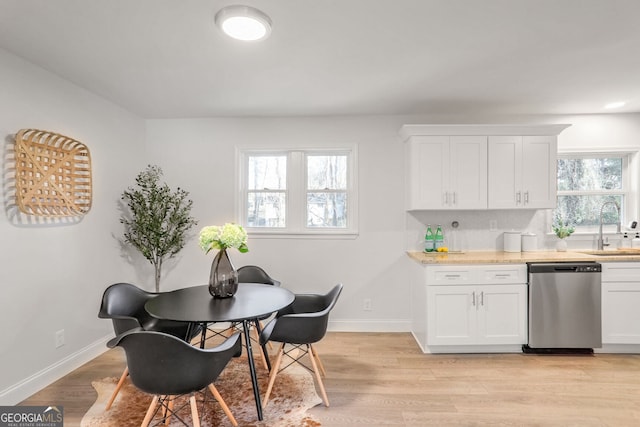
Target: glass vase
x=223, y=280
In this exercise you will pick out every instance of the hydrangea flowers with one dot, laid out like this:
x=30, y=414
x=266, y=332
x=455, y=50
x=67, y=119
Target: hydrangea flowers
x=229, y=235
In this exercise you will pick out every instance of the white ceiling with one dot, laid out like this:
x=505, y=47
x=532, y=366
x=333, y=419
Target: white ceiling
x=165, y=59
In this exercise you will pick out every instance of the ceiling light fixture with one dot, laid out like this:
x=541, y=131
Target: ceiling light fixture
x=243, y=23
x=613, y=105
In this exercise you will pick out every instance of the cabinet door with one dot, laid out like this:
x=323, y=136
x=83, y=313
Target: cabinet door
x=620, y=314
x=428, y=175
x=468, y=189
x=451, y=315
x=502, y=314
x=539, y=172
x=505, y=172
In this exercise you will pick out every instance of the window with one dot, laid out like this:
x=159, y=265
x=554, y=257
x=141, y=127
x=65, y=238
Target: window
x=587, y=181
x=298, y=191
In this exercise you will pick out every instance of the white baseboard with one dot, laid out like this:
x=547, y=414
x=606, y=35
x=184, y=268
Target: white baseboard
x=16, y=393
x=367, y=325
x=618, y=348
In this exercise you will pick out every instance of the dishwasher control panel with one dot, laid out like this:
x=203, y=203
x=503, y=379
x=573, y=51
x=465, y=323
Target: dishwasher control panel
x=596, y=268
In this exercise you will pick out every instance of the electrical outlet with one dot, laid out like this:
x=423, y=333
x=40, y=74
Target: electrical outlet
x=59, y=338
x=366, y=305
x=493, y=225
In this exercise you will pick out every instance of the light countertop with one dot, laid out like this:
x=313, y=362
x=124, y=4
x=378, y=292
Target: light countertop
x=499, y=257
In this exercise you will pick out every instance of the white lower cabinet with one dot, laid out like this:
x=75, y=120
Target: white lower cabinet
x=620, y=302
x=473, y=308
x=487, y=314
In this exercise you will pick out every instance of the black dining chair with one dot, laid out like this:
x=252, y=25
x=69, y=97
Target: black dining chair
x=255, y=274
x=167, y=367
x=300, y=325
x=123, y=303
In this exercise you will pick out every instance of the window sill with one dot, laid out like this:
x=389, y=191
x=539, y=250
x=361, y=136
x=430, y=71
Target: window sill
x=281, y=234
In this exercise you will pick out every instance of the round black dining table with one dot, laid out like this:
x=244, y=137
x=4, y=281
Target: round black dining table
x=196, y=306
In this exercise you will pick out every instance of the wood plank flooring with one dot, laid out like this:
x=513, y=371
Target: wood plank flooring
x=383, y=379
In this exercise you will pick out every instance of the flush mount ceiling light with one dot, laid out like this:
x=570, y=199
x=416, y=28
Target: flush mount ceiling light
x=243, y=23
x=613, y=105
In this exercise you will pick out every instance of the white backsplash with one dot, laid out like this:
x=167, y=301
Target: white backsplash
x=474, y=234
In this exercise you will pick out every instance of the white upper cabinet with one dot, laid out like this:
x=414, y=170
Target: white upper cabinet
x=522, y=172
x=447, y=172
x=452, y=167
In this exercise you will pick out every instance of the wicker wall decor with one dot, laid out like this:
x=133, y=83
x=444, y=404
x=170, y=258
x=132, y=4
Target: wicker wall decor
x=53, y=174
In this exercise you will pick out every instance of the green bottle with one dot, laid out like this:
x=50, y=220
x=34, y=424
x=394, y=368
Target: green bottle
x=429, y=244
x=439, y=240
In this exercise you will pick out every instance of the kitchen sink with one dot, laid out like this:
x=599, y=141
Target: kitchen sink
x=613, y=252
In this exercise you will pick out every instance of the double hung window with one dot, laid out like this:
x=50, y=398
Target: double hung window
x=588, y=180
x=298, y=191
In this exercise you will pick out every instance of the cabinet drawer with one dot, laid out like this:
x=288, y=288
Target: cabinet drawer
x=451, y=275
x=513, y=274
x=492, y=274
x=621, y=272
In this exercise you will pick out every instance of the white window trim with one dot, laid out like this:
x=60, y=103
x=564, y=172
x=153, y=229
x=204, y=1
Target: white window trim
x=296, y=193
x=631, y=187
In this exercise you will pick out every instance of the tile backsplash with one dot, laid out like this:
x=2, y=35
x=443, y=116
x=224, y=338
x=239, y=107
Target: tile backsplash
x=475, y=231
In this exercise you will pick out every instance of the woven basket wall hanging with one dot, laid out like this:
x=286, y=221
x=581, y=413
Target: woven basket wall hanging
x=53, y=174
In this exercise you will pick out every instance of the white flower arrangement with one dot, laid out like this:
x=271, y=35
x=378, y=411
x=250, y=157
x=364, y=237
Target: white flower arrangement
x=229, y=235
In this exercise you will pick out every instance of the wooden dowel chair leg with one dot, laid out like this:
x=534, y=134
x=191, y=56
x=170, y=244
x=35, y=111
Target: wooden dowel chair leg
x=168, y=410
x=318, y=377
x=272, y=376
x=194, y=411
x=149, y=414
x=320, y=365
x=223, y=404
x=123, y=377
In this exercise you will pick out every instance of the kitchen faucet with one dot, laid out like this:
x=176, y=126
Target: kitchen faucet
x=601, y=243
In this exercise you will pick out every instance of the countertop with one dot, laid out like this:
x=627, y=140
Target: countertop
x=499, y=257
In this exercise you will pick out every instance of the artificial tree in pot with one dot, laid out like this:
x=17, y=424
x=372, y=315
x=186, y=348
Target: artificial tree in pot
x=158, y=219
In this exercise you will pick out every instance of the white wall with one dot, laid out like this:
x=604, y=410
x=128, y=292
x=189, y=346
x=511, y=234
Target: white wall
x=199, y=155
x=54, y=272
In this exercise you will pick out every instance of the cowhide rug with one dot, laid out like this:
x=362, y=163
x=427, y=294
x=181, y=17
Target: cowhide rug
x=293, y=393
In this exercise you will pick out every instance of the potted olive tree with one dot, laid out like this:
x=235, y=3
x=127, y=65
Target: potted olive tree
x=157, y=220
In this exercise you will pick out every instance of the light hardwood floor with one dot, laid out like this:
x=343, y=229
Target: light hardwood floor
x=384, y=379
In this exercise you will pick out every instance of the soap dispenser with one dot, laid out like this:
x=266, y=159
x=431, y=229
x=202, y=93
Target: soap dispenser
x=635, y=243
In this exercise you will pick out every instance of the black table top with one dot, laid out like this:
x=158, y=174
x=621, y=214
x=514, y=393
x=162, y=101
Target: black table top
x=195, y=304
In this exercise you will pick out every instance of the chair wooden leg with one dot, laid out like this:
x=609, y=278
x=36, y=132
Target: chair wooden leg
x=168, y=410
x=222, y=403
x=320, y=365
x=264, y=357
x=272, y=375
x=149, y=414
x=123, y=377
x=312, y=353
x=194, y=411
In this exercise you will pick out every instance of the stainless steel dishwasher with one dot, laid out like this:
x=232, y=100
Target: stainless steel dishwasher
x=564, y=307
